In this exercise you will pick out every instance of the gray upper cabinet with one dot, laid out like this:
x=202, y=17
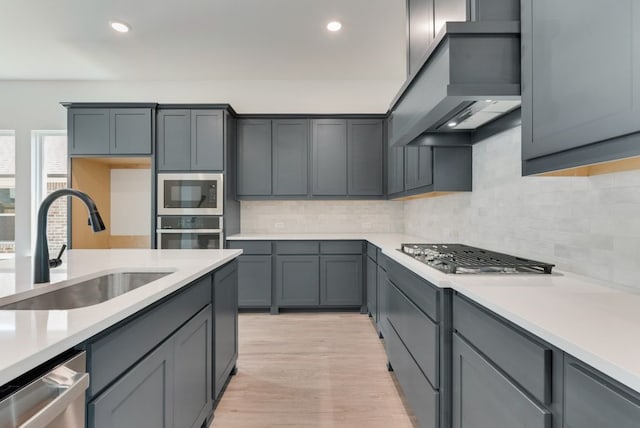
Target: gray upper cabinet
x=592, y=400
x=105, y=131
x=254, y=157
x=580, y=83
x=329, y=156
x=418, y=163
x=190, y=140
x=395, y=168
x=364, y=154
x=290, y=139
x=207, y=140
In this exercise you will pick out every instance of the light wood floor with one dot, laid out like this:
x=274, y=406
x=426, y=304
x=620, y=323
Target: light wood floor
x=311, y=370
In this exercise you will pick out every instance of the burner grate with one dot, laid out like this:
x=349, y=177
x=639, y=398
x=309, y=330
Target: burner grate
x=459, y=258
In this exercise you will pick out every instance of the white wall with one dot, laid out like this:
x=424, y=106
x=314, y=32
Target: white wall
x=587, y=225
x=321, y=216
x=35, y=105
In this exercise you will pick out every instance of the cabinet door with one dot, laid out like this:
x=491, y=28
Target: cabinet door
x=88, y=131
x=593, y=402
x=484, y=398
x=207, y=140
x=341, y=280
x=254, y=281
x=420, y=13
x=581, y=73
x=142, y=398
x=383, y=301
x=130, y=131
x=329, y=157
x=365, y=148
x=254, y=157
x=395, y=170
x=418, y=167
x=290, y=157
x=225, y=301
x=297, y=280
x=372, y=288
x=192, y=371
x=174, y=140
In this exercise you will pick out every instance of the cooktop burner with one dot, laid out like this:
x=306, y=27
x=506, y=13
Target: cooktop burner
x=459, y=258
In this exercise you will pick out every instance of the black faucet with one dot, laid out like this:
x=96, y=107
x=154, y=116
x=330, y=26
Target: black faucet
x=41, y=254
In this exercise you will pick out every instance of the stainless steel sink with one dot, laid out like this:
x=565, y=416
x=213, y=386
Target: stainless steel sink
x=87, y=293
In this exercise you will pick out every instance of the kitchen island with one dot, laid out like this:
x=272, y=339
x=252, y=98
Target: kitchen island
x=174, y=320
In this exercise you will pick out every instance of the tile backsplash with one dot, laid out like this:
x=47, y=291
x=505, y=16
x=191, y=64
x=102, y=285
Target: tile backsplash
x=321, y=216
x=586, y=225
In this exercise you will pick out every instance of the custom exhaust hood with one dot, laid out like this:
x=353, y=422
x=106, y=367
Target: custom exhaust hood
x=469, y=77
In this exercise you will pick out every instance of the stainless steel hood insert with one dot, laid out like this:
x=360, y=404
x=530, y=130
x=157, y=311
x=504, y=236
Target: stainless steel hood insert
x=469, y=76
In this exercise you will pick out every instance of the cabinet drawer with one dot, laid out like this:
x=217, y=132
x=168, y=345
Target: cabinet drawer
x=110, y=355
x=372, y=252
x=419, y=291
x=527, y=361
x=252, y=247
x=341, y=247
x=418, y=333
x=423, y=399
x=593, y=401
x=297, y=247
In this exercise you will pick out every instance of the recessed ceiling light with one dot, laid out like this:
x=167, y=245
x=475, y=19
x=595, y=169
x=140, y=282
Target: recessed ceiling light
x=488, y=101
x=452, y=124
x=334, y=26
x=119, y=26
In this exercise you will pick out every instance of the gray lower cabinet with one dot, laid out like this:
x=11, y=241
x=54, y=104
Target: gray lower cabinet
x=225, y=331
x=383, y=293
x=290, y=154
x=254, y=281
x=297, y=280
x=594, y=401
x=372, y=288
x=109, y=131
x=171, y=387
x=190, y=140
x=341, y=280
x=365, y=157
x=580, y=83
x=254, y=157
x=329, y=157
x=483, y=397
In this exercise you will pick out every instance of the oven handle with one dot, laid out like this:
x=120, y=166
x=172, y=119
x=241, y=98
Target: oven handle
x=160, y=231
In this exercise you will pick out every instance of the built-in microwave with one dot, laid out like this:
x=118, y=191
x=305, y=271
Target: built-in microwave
x=190, y=194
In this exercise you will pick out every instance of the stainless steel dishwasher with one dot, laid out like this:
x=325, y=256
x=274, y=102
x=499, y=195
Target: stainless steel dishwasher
x=53, y=399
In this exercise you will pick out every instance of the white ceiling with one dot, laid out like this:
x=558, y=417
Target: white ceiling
x=202, y=40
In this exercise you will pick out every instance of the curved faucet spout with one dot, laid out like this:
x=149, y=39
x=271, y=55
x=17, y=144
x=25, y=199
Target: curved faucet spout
x=41, y=254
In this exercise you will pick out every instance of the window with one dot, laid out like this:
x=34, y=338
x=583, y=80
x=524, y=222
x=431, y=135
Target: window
x=50, y=174
x=7, y=194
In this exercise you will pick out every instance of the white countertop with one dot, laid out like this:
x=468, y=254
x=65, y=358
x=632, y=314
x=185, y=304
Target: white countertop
x=584, y=317
x=30, y=338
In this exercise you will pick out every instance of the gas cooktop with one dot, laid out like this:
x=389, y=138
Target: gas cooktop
x=459, y=258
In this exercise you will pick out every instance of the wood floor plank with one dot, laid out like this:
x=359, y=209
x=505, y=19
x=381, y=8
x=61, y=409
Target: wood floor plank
x=311, y=370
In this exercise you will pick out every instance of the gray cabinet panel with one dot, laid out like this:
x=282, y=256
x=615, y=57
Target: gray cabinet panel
x=423, y=399
x=418, y=333
x=418, y=166
x=252, y=247
x=254, y=157
x=372, y=288
x=421, y=31
x=192, y=371
x=395, y=171
x=297, y=281
x=341, y=280
x=383, y=301
x=130, y=131
x=88, y=131
x=591, y=401
x=254, y=281
x=225, y=329
x=526, y=361
x=364, y=155
x=419, y=291
x=484, y=398
x=329, y=155
x=581, y=73
x=290, y=157
x=372, y=251
x=143, y=398
x=207, y=140
x=297, y=247
x=174, y=140
x=340, y=247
